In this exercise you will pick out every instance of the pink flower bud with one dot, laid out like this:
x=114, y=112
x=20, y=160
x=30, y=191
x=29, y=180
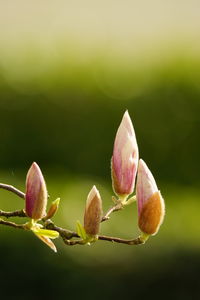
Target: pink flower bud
x=93, y=212
x=151, y=207
x=125, y=158
x=36, y=193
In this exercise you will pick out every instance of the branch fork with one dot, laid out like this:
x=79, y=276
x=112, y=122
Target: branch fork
x=66, y=235
x=125, y=167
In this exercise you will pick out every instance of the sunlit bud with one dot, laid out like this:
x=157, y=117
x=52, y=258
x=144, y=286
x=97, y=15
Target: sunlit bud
x=53, y=209
x=36, y=193
x=93, y=212
x=151, y=207
x=125, y=158
x=47, y=241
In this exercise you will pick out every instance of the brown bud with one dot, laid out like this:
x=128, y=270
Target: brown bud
x=93, y=212
x=53, y=209
x=152, y=214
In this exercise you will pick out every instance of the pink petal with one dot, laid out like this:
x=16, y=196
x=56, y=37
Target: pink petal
x=125, y=157
x=146, y=185
x=36, y=193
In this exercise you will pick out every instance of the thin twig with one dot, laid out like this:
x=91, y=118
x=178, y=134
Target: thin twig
x=116, y=207
x=67, y=235
x=11, y=224
x=136, y=241
x=64, y=233
x=17, y=213
x=12, y=189
x=73, y=243
x=19, y=193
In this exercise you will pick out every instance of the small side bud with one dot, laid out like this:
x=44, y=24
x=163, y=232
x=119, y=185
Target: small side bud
x=93, y=212
x=125, y=159
x=53, y=209
x=36, y=193
x=151, y=207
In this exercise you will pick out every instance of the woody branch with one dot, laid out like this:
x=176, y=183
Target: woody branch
x=65, y=234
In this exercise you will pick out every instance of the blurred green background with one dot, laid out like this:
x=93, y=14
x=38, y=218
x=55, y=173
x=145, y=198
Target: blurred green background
x=68, y=71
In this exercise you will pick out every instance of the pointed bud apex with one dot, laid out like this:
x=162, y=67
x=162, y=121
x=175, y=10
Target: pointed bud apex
x=53, y=209
x=125, y=158
x=93, y=212
x=36, y=193
x=151, y=207
x=47, y=241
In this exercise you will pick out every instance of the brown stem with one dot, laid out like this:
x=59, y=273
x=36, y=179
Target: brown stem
x=67, y=235
x=12, y=189
x=136, y=241
x=8, y=214
x=116, y=207
x=73, y=243
x=11, y=224
x=64, y=233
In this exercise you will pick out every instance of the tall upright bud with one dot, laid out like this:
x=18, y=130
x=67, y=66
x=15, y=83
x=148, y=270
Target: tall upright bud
x=151, y=206
x=36, y=193
x=93, y=212
x=125, y=158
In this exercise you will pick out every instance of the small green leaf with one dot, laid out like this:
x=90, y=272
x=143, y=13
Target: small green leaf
x=81, y=230
x=52, y=234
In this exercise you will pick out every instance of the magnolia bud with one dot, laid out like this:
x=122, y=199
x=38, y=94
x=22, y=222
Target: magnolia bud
x=93, y=212
x=151, y=207
x=125, y=158
x=53, y=209
x=36, y=193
